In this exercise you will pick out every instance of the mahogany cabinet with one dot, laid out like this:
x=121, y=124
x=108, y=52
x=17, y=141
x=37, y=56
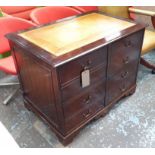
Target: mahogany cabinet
x=73, y=71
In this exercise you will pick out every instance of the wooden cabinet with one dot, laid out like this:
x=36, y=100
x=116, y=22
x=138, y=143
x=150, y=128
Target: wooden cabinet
x=76, y=75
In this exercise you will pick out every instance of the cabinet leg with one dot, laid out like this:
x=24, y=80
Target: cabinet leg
x=66, y=141
x=153, y=71
x=132, y=91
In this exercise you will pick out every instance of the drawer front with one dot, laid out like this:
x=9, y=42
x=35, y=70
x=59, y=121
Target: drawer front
x=85, y=100
x=122, y=81
x=72, y=89
x=123, y=52
x=73, y=69
x=83, y=115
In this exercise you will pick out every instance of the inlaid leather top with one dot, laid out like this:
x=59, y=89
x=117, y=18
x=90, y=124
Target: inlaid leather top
x=63, y=37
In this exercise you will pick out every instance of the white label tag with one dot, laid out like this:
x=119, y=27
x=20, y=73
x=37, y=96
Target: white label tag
x=85, y=78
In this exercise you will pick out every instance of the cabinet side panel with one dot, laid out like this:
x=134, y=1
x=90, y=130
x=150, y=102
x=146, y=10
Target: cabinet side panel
x=36, y=79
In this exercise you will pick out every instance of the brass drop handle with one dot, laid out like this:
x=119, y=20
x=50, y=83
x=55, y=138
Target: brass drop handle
x=128, y=43
x=126, y=60
x=88, y=99
x=87, y=66
x=87, y=114
x=122, y=89
x=89, y=61
x=124, y=75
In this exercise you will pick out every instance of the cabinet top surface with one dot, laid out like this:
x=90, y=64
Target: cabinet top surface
x=64, y=37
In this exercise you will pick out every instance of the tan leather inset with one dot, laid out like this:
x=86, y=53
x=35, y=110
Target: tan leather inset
x=63, y=37
x=149, y=41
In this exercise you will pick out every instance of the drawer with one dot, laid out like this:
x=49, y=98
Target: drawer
x=74, y=88
x=83, y=115
x=119, y=83
x=123, y=52
x=73, y=69
x=86, y=100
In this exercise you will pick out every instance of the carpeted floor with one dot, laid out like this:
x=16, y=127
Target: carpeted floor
x=131, y=122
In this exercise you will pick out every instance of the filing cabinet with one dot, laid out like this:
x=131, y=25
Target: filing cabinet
x=70, y=80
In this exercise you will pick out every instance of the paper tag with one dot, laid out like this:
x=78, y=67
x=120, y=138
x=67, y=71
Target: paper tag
x=85, y=78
